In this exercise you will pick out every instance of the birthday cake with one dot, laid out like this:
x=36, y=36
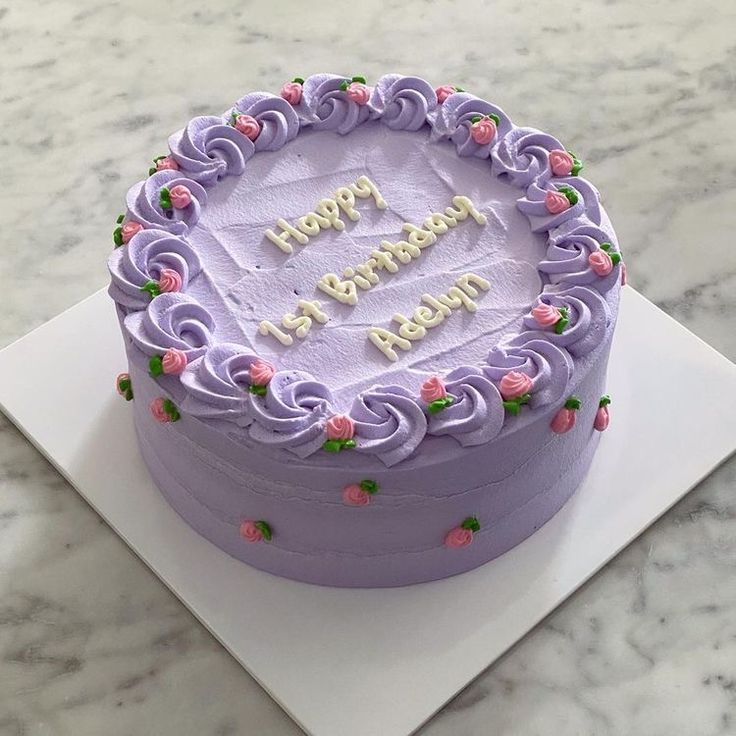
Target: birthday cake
x=367, y=328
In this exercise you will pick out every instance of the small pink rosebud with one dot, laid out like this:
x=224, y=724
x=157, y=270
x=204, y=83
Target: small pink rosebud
x=458, y=537
x=600, y=262
x=261, y=372
x=292, y=92
x=248, y=126
x=561, y=162
x=602, y=418
x=556, y=202
x=515, y=384
x=624, y=277
x=444, y=92
x=563, y=421
x=340, y=427
x=250, y=532
x=174, y=362
x=545, y=315
x=159, y=412
x=433, y=389
x=181, y=197
x=169, y=280
x=359, y=93
x=129, y=229
x=167, y=163
x=483, y=131
x=354, y=495
x=123, y=378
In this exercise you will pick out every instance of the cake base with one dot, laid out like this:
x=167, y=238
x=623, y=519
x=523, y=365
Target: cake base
x=308, y=646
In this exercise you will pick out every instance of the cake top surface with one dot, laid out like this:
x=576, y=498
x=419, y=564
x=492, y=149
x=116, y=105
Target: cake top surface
x=346, y=266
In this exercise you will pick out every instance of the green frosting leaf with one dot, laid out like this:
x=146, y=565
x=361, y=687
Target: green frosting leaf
x=164, y=199
x=152, y=288
x=615, y=257
x=124, y=384
x=156, y=365
x=459, y=89
x=471, y=523
x=258, y=390
x=494, y=117
x=171, y=410
x=298, y=80
x=265, y=529
x=369, y=486
x=570, y=193
x=348, y=444
x=512, y=406
x=361, y=80
x=120, y=219
x=128, y=394
x=573, y=403
x=606, y=247
x=561, y=324
x=476, y=119
x=605, y=400
x=152, y=171
x=159, y=158
x=332, y=446
x=344, y=85
x=439, y=404
x=117, y=236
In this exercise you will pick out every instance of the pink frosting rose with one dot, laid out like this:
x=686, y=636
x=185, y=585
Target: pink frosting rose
x=168, y=163
x=129, y=229
x=121, y=377
x=432, y=389
x=458, y=537
x=602, y=419
x=181, y=197
x=354, y=495
x=556, y=202
x=250, y=532
x=292, y=92
x=545, y=315
x=158, y=411
x=563, y=421
x=600, y=262
x=483, y=131
x=443, y=92
x=358, y=93
x=261, y=372
x=248, y=126
x=340, y=427
x=560, y=162
x=515, y=384
x=169, y=280
x=174, y=362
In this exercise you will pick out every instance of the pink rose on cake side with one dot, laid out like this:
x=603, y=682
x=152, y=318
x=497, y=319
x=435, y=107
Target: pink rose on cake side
x=359, y=494
x=602, y=416
x=565, y=418
x=434, y=392
x=340, y=430
x=556, y=202
x=462, y=536
x=164, y=410
x=124, y=386
x=255, y=531
x=248, y=126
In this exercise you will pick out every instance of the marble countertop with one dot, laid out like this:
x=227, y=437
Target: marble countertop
x=90, y=641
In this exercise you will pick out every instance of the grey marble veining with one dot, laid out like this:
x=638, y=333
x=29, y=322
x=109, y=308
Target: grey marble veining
x=90, y=641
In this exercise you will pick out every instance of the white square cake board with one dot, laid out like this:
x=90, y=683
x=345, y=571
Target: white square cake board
x=370, y=662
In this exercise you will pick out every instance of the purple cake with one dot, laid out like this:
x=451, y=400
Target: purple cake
x=367, y=328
